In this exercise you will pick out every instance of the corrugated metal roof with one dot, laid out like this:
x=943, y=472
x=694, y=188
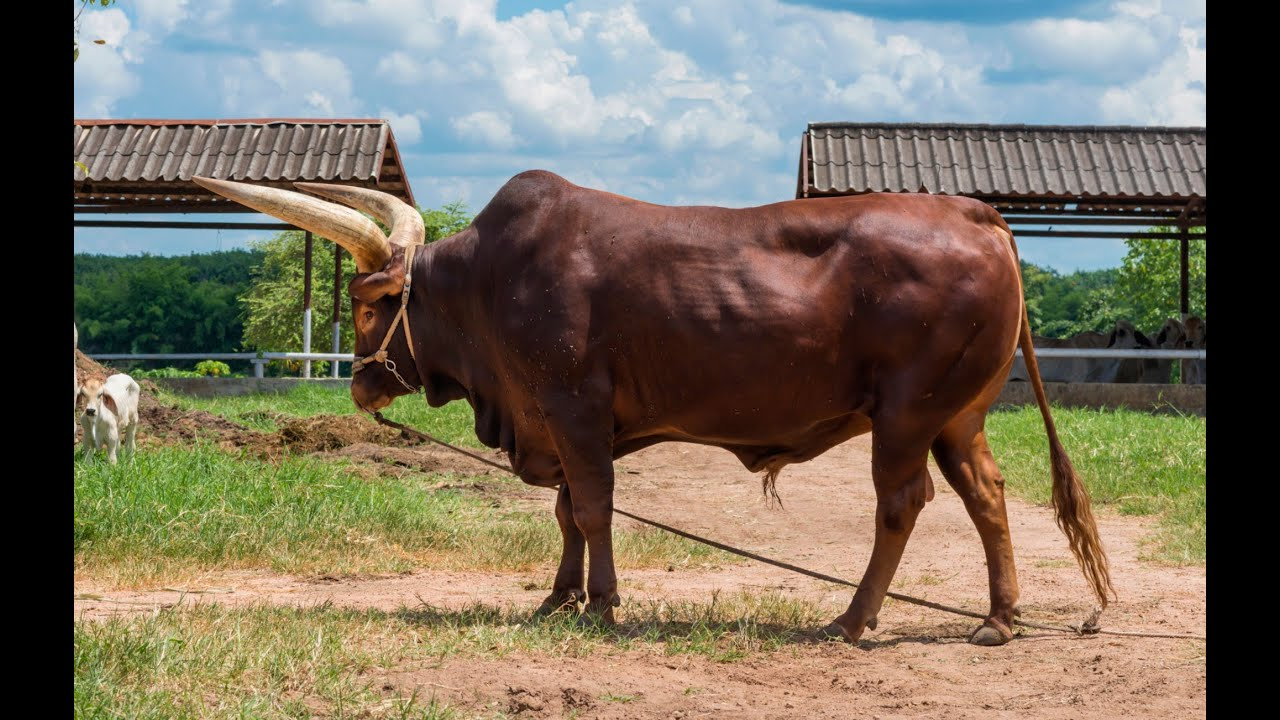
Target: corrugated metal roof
x=149, y=159
x=1005, y=160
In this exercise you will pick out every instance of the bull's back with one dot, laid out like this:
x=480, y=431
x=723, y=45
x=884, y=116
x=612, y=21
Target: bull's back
x=759, y=323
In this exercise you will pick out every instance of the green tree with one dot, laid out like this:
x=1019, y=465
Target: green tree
x=1063, y=305
x=150, y=304
x=1149, y=277
x=273, y=303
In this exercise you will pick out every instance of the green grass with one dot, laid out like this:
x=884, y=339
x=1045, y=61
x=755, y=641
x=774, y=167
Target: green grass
x=1136, y=463
x=263, y=661
x=212, y=661
x=452, y=423
x=174, y=512
x=259, y=662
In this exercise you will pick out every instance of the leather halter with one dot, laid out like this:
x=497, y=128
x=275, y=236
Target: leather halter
x=402, y=317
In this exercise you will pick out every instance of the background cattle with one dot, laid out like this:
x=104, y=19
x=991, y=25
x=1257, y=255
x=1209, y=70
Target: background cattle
x=109, y=409
x=1170, y=337
x=1124, y=336
x=1061, y=369
x=1120, y=370
x=1196, y=334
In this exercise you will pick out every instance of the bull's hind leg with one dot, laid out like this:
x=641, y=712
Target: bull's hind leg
x=965, y=459
x=567, y=590
x=902, y=488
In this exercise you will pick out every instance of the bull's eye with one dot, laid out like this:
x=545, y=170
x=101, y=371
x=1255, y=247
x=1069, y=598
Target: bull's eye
x=368, y=315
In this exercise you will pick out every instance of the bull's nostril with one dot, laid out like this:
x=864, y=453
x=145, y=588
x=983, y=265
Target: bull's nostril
x=90, y=411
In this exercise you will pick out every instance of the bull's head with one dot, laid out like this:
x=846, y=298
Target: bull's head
x=380, y=265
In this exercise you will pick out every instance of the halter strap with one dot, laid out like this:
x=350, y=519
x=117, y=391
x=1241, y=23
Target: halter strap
x=401, y=318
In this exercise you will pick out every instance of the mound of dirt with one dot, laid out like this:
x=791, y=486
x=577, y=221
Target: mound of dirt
x=175, y=425
x=87, y=367
x=427, y=458
x=330, y=432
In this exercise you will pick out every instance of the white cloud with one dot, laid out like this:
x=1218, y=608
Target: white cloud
x=399, y=68
x=160, y=16
x=102, y=77
x=1174, y=94
x=485, y=127
x=291, y=83
x=1116, y=46
x=1138, y=8
x=407, y=128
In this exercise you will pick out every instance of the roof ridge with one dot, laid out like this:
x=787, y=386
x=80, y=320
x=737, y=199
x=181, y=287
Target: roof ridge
x=1015, y=126
x=232, y=121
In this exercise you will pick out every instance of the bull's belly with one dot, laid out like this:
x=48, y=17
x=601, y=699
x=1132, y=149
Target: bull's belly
x=769, y=442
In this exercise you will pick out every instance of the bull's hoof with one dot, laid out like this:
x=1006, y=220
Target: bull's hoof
x=834, y=632
x=558, y=602
x=989, y=636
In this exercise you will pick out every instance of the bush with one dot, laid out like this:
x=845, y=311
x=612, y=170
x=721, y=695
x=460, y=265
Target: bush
x=164, y=372
x=214, y=368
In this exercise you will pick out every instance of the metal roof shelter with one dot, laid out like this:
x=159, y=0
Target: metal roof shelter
x=1088, y=178
x=145, y=167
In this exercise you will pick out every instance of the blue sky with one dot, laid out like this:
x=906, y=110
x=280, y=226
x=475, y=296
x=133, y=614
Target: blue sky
x=678, y=102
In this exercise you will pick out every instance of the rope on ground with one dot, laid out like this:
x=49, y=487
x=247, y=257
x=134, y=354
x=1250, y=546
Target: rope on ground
x=1088, y=627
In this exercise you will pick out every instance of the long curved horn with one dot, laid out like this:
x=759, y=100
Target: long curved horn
x=346, y=227
x=405, y=222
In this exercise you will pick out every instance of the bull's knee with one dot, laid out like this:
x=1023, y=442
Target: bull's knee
x=898, y=511
x=591, y=517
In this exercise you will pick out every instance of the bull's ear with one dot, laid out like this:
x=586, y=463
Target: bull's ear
x=1164, y=335
x=110, y=402
x=377, y=285
x=1111, y=339
x=1142, y=339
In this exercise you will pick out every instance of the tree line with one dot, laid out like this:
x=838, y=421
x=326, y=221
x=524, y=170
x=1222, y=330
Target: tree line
x=247, y=300
x=1144, y=290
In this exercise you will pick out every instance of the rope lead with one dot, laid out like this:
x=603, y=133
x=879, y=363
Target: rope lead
x=1088, y=627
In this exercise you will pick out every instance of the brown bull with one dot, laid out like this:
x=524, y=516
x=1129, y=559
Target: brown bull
x=582, y=326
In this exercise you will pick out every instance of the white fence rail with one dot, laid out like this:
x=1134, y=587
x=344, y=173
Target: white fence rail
x=259, y=359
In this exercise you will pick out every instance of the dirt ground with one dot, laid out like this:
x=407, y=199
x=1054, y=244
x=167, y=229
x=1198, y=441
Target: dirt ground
x=917, y=664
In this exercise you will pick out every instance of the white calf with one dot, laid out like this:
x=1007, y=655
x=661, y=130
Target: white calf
x=110, y=408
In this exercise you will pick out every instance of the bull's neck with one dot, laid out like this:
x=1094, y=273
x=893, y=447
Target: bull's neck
x=444, y=320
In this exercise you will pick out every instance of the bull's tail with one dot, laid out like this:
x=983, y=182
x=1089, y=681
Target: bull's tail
x=1070, y=497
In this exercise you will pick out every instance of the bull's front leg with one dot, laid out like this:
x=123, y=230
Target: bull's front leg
x=567, y=591
x=593, y=514
x=581, y=428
